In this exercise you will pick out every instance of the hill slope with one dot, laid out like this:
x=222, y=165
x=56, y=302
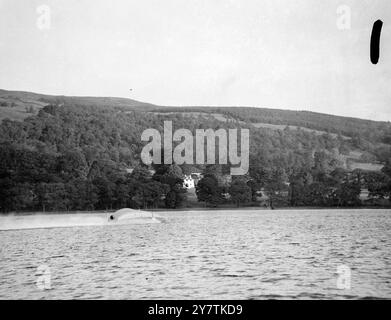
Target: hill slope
x=74, y=155
x=379, y=131
x=17, y=105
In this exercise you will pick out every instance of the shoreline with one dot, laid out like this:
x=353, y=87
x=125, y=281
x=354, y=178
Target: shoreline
x=27, y=213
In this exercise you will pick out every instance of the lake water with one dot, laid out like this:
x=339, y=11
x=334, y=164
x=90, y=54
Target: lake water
x=287, y=254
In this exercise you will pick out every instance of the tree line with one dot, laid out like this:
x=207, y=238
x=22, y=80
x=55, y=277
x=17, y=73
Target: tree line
x=78, y=158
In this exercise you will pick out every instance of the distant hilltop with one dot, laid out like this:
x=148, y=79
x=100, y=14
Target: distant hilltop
x=18, y=105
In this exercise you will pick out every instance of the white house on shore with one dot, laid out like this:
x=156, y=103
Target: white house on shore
x=190, y=180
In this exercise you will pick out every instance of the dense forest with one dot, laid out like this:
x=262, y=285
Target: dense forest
x=367, y=130
x=71, y=156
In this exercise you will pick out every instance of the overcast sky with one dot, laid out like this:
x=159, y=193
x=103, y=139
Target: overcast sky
x=279, y=54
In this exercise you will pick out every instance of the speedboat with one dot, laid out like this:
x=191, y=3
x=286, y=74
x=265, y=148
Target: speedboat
x=127, y=215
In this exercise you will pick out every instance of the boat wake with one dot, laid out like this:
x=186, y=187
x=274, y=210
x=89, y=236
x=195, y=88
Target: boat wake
x=40, y=221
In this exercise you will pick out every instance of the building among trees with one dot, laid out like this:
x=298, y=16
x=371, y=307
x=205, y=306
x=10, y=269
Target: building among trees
x=190, y=181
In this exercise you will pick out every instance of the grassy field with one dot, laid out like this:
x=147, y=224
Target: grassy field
x=14, y=113
x=18, y=105
x=224, y=118
x=366, y=166
x=282, y=127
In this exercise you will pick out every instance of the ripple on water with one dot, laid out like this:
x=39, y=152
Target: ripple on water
x=288, y=254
